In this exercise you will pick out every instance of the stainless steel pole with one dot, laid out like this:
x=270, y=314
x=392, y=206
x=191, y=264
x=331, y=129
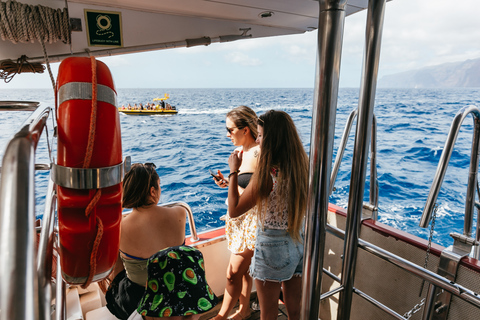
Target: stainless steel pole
x=373, y=168
x=376, y=9
x=472, y=179
x=330, y=38
x=45, y=254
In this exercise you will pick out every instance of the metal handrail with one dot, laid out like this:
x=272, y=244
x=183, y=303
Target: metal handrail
x=373, y=158
x=18, y=276
x=191, y=222
x=60, y=292
x=45, y=253
x=442, y=168
x=406, y=265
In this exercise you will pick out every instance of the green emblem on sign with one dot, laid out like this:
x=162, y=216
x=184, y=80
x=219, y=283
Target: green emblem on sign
x=104, y=28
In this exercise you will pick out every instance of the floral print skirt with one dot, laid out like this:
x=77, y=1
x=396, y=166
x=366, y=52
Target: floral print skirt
x=241, y=231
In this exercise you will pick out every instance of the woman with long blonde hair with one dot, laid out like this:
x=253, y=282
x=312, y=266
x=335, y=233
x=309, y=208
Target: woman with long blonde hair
x=279, y=191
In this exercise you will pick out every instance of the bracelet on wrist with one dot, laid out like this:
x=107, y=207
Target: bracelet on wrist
x=232, y=173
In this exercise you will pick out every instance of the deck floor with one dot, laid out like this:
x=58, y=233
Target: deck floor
x=282, y=312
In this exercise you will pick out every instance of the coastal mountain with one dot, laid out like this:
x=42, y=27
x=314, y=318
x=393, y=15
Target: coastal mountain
x=447, y=75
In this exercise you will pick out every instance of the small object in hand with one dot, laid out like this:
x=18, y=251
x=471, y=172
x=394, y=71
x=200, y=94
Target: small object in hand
x=213, y=175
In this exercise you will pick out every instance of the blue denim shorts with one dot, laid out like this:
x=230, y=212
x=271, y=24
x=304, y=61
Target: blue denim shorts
x=277, y=256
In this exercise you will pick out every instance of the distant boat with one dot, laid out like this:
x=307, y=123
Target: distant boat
x=160, y=107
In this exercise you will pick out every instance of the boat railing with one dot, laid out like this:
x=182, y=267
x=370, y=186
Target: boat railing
x=18, y=274
x=191, y=221
x=463, y=245
x=461, y=242
x=330, y=37
x=25, y=272
x=433, y=278
x=330, y=32
x=373, y=198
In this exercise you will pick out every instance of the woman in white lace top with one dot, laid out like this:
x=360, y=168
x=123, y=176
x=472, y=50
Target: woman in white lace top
x=279, y=191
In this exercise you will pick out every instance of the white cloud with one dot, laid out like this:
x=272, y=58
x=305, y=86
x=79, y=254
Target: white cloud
x=242, y=59
x=429, y=32
x=115, y=61
x=417, y=33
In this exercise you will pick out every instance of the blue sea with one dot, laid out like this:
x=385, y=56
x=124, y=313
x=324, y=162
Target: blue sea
x=412, y=128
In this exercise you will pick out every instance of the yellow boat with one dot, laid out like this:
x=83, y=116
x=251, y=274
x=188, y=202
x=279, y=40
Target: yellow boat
x=160, y=108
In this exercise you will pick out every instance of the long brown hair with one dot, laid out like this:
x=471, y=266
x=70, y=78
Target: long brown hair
x=282, y=149
x=137, y=183
x=242, y=117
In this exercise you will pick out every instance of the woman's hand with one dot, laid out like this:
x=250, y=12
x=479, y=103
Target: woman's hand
x=222, y=182
x=235, y=160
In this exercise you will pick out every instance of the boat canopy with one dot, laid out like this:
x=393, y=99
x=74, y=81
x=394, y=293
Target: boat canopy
x=111, y=27
x=165, y=97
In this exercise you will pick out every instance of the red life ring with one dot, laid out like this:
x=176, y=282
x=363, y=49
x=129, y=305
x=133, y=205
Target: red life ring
x=87, y=118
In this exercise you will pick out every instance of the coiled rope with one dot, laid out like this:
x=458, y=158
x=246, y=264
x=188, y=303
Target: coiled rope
x=23, y=23
x=8, y=68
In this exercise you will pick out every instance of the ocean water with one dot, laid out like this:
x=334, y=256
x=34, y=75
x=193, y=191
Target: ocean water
x=412, y=128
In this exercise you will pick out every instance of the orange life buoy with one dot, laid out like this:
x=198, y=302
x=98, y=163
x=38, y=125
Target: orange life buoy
x=89, y=144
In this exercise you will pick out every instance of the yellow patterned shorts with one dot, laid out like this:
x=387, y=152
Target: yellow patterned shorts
x=241, y=231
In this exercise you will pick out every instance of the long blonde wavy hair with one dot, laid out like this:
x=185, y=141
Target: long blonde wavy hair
x=282, y=149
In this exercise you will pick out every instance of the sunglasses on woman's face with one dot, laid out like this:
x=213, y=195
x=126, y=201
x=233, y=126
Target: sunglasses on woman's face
x=230, y=130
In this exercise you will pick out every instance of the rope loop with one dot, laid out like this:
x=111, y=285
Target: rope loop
x=8, y=68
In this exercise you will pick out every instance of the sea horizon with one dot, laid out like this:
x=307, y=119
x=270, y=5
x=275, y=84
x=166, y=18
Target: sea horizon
x=412, y=128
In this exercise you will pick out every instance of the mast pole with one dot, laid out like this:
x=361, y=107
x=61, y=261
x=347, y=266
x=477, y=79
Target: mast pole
x=366, y=103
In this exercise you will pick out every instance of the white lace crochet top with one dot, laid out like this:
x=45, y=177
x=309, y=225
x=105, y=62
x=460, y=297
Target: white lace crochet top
x=276, y=215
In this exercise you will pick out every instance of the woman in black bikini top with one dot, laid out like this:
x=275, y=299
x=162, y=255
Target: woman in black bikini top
x=242, y=131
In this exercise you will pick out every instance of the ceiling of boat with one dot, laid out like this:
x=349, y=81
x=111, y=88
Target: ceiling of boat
x=161, y=24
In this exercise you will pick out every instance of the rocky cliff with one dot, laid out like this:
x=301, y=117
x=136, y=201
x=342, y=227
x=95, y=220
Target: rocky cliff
x=447, y=75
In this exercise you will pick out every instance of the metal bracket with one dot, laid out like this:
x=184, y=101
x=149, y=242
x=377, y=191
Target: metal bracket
x=75, y=24
x=90, y=178
x=369, y=211
x=448, y=268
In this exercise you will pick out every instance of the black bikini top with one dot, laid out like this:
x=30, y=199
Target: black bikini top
x=244, y=179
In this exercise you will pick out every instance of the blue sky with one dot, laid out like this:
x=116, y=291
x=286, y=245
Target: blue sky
x=417, y=33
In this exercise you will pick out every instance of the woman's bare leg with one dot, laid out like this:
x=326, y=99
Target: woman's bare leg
x=237, y=268
x=268, y=293
x=244, y=310
x=292, y=296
